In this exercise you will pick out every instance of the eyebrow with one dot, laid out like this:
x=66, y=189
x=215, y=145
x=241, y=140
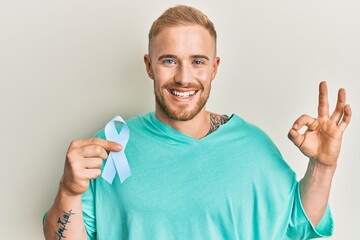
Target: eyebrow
x=200, y=56
x=167, y=56
x=174, y=56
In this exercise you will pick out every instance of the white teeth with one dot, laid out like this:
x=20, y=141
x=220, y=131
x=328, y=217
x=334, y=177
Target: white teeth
x=183, y=94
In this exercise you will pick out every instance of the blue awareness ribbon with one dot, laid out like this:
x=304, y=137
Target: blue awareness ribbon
x=117, y=161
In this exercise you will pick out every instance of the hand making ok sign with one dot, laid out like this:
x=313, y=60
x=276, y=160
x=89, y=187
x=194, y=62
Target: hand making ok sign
x=322, y=139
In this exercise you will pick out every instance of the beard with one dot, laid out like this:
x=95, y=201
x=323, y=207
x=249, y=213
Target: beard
x=181, y=112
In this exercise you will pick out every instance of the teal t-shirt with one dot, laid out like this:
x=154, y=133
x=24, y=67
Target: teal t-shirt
x=231, y=184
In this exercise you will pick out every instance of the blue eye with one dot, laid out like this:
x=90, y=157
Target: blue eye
x=169, y=61
x=197, y=62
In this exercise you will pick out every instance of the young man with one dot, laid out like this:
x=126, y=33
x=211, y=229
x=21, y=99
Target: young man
x=197, y=174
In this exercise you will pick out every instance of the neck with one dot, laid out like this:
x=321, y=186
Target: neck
x=197, y=127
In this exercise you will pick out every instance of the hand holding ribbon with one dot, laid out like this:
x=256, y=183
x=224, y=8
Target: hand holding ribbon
x=117, y=161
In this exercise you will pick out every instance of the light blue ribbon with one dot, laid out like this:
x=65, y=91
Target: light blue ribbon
x=117, y=161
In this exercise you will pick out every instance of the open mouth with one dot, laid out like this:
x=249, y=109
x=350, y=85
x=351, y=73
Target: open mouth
x=183, y=94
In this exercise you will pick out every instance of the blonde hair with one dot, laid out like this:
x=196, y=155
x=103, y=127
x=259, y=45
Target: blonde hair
x=181, y=15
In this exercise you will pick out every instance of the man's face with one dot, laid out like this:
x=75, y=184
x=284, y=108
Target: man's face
x=182, y=63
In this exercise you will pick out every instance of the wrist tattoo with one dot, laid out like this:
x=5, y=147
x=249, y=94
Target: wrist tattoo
x=63, y=222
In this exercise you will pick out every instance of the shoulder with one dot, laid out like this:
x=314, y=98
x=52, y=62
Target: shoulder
x=142, y=119
x=239, y=124
x=252, y=140
x=249, y=134
x=138, y=122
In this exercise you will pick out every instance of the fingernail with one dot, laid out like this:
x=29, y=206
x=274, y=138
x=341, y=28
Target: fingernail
x=118, y=146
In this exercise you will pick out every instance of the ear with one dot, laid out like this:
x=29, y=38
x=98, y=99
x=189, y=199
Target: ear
x=147, y=62
x=216, y=65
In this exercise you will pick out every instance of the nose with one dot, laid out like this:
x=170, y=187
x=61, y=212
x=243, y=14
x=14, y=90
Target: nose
x=183, y=75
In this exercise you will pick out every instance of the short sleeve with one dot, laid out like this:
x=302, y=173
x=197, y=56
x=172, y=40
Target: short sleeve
x=88, y=203
x=88, y=207
x=300, y=226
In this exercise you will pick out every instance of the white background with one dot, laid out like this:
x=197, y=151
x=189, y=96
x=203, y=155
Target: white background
x=67, y=67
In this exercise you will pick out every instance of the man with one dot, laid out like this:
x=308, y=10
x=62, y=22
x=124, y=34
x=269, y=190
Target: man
x=197, y=174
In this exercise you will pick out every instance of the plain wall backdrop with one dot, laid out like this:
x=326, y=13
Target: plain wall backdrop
x=67, y=67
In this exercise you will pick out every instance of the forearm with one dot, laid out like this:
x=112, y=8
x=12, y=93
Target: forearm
x=64, y=219
x=315, y=189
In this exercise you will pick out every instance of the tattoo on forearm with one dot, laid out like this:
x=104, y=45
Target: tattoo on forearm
x=63, y=222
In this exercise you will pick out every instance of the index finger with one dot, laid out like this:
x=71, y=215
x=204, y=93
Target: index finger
x=107, y=145
x=323, y=108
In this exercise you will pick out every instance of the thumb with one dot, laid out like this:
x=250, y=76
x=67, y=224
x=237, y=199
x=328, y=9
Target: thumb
x=295, y=137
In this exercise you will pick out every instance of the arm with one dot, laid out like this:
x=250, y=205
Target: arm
x=64, y=219
x=83, y=162
x=321, y=142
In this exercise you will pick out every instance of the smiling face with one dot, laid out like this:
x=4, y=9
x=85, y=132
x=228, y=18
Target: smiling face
x=182, y=63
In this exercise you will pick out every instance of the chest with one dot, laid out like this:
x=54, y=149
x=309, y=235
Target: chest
x=184, y=179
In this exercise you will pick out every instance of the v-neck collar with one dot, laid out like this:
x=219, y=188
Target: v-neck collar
x=173, y=133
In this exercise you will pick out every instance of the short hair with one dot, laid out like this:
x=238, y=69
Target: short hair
x=181, y=15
